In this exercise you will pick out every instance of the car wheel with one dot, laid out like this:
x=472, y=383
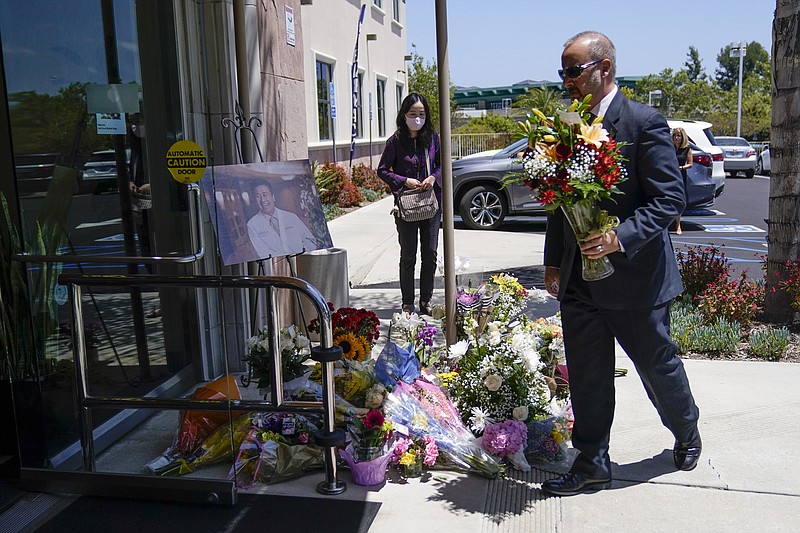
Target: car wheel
x=760, y=167
x=483, y=207
x=749, y=174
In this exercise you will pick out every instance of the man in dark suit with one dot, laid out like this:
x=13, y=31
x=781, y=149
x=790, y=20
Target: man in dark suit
x=632, y=305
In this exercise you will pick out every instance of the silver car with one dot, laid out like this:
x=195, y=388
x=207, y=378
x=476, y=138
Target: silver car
x=740, y=156
x=482, y=201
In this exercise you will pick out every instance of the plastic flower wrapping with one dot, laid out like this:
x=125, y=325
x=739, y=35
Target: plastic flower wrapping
x=414, y=334
x=403, y=406
x=277, y=448
x=507, y=439
x=569, y=160
x=547, y=440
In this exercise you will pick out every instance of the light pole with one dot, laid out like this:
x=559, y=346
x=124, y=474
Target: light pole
x=651, y=94
x=370, y=37
x=739, y=49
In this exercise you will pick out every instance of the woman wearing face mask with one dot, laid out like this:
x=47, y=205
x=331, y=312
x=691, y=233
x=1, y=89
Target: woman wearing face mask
x=411, y=160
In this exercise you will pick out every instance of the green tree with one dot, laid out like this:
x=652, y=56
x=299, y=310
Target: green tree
x=423, y=78
x=694, y=66
x=546, y=99
x=755, y=63
x=488, y=124
x=681, y=97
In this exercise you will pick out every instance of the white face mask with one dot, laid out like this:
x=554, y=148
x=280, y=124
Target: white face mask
x=414, y=124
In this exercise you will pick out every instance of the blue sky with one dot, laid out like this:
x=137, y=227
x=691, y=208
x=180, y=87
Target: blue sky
x=500, y=42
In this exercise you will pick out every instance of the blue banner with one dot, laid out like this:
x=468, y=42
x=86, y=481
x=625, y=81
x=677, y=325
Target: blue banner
x=354, y=87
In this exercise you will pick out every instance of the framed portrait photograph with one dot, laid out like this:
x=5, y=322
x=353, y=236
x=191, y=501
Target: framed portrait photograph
x=265, y=210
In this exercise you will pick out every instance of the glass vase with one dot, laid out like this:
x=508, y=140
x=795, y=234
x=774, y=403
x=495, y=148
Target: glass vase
x=367, y=453
x=411, y=470
x=584, y=217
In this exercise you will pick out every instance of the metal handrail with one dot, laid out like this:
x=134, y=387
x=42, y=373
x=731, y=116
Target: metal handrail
x=126, y=259
x=86, y=402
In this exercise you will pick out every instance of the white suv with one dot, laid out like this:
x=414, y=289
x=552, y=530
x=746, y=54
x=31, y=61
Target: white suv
x=700, y=134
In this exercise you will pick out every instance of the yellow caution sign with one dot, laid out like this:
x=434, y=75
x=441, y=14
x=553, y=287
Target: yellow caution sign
x=186, y=161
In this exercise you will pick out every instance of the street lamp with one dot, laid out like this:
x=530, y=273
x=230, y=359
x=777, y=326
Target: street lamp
x=370, y=37
x=651, y=94
x=739, y=49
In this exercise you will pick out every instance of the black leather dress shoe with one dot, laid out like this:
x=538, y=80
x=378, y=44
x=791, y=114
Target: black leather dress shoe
x=570, y=484
x=686, y=454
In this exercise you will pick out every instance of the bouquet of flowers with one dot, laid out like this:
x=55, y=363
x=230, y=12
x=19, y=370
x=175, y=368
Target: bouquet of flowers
x=277, y=449
x=454, y=440
x=412, y=454
x=551, y=351
x=508, y=439
x=574, y=165
x=547, y=440
x=355, y=330
x=370, y=434
x=295, y=351
x=416, y=335
x=500, y=376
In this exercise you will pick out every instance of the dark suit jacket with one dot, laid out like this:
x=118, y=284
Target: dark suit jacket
x=646, y=274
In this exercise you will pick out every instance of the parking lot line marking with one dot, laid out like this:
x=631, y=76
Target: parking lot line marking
x=731, y=228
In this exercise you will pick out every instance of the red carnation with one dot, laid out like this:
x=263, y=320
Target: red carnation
x=547, y=197
x=563, y=152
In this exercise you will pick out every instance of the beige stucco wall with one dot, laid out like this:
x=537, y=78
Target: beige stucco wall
x=329, y=33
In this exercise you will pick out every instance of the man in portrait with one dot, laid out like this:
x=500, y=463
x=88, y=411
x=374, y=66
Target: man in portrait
x=275, y=232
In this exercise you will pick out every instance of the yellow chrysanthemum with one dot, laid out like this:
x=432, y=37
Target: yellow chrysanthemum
x=353, y=347
x=594, y=134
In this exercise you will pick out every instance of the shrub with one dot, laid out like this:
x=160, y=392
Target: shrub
x=330, y=179
x=367, y=178
x=684, y=319
x=700, y=267
x=791, y=285
x=740, y=301
x=349, y=195
x=722, y=336
x=331, y=211
x=769, y=343
x=370, y=195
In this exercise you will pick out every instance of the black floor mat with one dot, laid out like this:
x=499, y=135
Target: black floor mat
x=252, y=513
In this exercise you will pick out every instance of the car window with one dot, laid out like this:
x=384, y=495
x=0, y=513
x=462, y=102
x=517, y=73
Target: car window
x=732, y=141
x=513, y=149
x=710, y=136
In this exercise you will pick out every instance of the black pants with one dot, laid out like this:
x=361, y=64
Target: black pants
x=427, y=231
x=589, y=333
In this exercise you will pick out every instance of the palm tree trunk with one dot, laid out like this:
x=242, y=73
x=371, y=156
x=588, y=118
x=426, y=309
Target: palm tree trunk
x=784, y=193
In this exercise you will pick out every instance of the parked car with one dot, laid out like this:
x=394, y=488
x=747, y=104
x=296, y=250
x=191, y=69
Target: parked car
x=34, y=172
x=700, y=134
x=740, y=156
x=99, y=173
x=483, y=202
x=763, y=165
x=478, y=192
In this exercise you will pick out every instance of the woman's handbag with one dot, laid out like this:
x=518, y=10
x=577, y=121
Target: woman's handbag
x=414, y=205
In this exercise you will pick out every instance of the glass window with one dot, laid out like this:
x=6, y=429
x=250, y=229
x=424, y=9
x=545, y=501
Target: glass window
x=324, y=77
x=399, y=95
x=378, y=3
x=360, y=106
x=381, y=104
x=396, y=10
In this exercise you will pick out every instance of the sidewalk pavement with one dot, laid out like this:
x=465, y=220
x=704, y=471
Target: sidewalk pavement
x=748, y=478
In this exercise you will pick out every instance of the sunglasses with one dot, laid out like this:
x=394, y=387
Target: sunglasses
x=576, y=70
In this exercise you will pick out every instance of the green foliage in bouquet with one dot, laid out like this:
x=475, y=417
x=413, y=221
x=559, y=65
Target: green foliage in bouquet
x=295, y=351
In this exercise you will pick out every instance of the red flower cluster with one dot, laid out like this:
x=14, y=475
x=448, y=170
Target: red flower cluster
x=373, y=419
x=359, y=321
x=606, y=166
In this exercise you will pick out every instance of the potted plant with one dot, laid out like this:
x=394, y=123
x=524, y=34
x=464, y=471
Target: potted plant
x=27, y=318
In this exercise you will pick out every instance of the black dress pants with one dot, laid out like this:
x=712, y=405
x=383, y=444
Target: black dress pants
x=589, y=333
x=426, y=232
